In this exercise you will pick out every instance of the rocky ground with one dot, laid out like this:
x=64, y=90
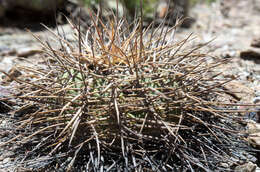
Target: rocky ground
x=234, y=26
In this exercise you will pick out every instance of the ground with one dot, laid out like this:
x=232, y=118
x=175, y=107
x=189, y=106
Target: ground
x=233, y=35
x=233, y=26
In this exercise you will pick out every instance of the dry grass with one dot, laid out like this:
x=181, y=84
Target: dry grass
x=119, y=98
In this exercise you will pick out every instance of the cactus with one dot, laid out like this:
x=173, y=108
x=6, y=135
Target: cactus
x=122, y=97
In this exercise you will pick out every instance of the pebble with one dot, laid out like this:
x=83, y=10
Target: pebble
x=250, y=54
x=253, y=129
x=240, y=91
x=248, y=167
x=7, y=63
x=6, y=160
x=256, y=100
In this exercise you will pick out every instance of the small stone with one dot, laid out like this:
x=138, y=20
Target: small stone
x=250, y=54
x=256, y=100
x=248, y=167
x=228, y=54
x=240, y=91
x=6, y=160
x=4, y=124
x=254, y=140
x=7, y=63
x=253, y=128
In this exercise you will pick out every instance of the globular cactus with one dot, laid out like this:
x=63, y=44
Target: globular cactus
x=122, y=97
